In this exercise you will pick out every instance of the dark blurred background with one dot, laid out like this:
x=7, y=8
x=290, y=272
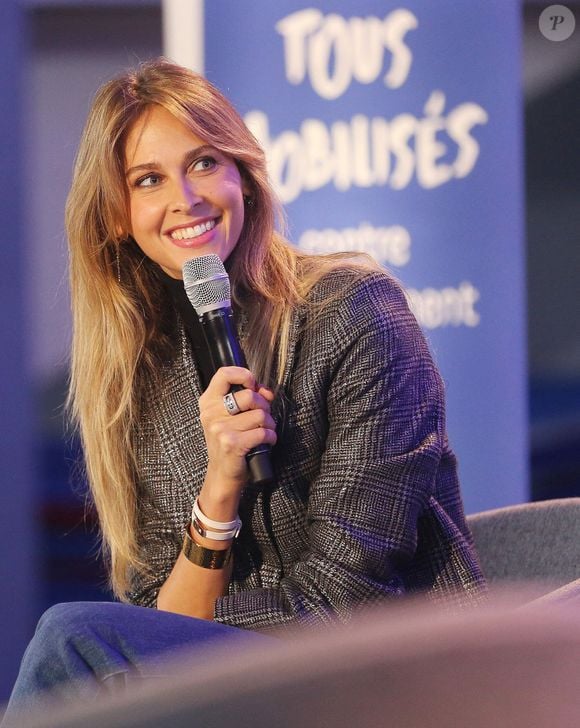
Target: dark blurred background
x=551, y=77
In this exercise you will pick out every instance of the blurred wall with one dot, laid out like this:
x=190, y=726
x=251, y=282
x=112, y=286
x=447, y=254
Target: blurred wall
x=53, y=57
x=72, y=51
x=17, y=527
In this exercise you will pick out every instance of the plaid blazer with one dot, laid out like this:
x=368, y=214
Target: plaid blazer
x=366, y=503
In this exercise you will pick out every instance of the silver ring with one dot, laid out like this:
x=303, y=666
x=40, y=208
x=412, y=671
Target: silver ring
x=230, y=404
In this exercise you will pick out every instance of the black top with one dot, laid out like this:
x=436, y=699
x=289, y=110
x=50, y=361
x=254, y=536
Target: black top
x=192, y=325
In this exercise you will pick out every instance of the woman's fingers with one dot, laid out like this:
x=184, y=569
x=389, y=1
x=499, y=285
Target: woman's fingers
x=244, y=421
x=239, y=442
x=246, y=400
x=225, y=377
x=266, y=393
x=230, y=437
x=253, y=396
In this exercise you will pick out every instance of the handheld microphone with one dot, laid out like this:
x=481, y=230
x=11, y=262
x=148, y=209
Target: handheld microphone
x=208, y=288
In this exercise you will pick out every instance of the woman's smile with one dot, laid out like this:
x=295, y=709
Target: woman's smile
x=194, y=233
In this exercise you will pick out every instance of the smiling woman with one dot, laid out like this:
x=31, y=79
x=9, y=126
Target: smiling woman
x=365, y=503
x=185, y=196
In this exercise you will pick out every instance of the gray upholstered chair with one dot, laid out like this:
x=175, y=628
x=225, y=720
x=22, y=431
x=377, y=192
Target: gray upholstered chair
x=535, y=543
x=565, y=594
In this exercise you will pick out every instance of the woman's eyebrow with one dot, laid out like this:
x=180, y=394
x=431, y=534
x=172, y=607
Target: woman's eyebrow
x=141, y=167
x=188, y=158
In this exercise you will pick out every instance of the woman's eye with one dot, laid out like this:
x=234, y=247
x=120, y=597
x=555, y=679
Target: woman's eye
x=148, y=181
x=204, y=164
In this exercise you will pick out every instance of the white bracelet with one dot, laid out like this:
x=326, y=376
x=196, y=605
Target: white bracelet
x=221, y=525
x=215, y=535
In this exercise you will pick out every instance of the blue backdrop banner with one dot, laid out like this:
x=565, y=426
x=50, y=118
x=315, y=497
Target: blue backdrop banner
x=395, y=128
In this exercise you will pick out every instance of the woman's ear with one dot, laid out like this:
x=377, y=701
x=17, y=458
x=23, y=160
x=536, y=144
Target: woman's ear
x=247, y=186
x=248, y=193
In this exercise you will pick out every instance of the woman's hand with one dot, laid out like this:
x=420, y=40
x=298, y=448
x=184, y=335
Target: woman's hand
x=191, y=589
x=229, y=438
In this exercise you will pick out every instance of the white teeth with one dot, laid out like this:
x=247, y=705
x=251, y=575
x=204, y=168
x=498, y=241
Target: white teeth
x=193, y=232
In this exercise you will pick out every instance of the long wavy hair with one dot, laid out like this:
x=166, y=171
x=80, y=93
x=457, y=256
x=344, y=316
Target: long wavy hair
x=120, y=329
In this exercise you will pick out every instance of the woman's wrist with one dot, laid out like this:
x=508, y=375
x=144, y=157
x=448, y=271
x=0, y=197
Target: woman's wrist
x=219, y=498
x=212, y=529
x=208, y=543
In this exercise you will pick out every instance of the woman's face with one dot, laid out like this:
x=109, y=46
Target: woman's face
x=186, y=198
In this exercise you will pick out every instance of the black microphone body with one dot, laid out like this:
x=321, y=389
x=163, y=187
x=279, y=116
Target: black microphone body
x=221, y=338
x=217, y=322
x=225, y=350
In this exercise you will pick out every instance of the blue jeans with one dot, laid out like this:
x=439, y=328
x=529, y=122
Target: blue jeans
x=82, y=649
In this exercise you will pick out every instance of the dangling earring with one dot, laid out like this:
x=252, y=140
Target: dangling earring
x=248, y=201
x=118, y=263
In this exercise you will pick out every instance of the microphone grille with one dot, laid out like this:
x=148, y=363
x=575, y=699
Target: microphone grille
x=206, y=283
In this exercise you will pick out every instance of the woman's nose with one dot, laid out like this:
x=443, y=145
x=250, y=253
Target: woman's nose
x=185, y=195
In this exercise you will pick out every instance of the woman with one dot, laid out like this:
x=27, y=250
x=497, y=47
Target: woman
x=365, y=502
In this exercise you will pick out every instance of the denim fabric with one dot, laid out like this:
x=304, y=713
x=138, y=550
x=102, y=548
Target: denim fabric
x=82, y=649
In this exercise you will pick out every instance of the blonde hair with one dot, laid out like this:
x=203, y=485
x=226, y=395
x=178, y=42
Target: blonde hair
x=120, y=326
